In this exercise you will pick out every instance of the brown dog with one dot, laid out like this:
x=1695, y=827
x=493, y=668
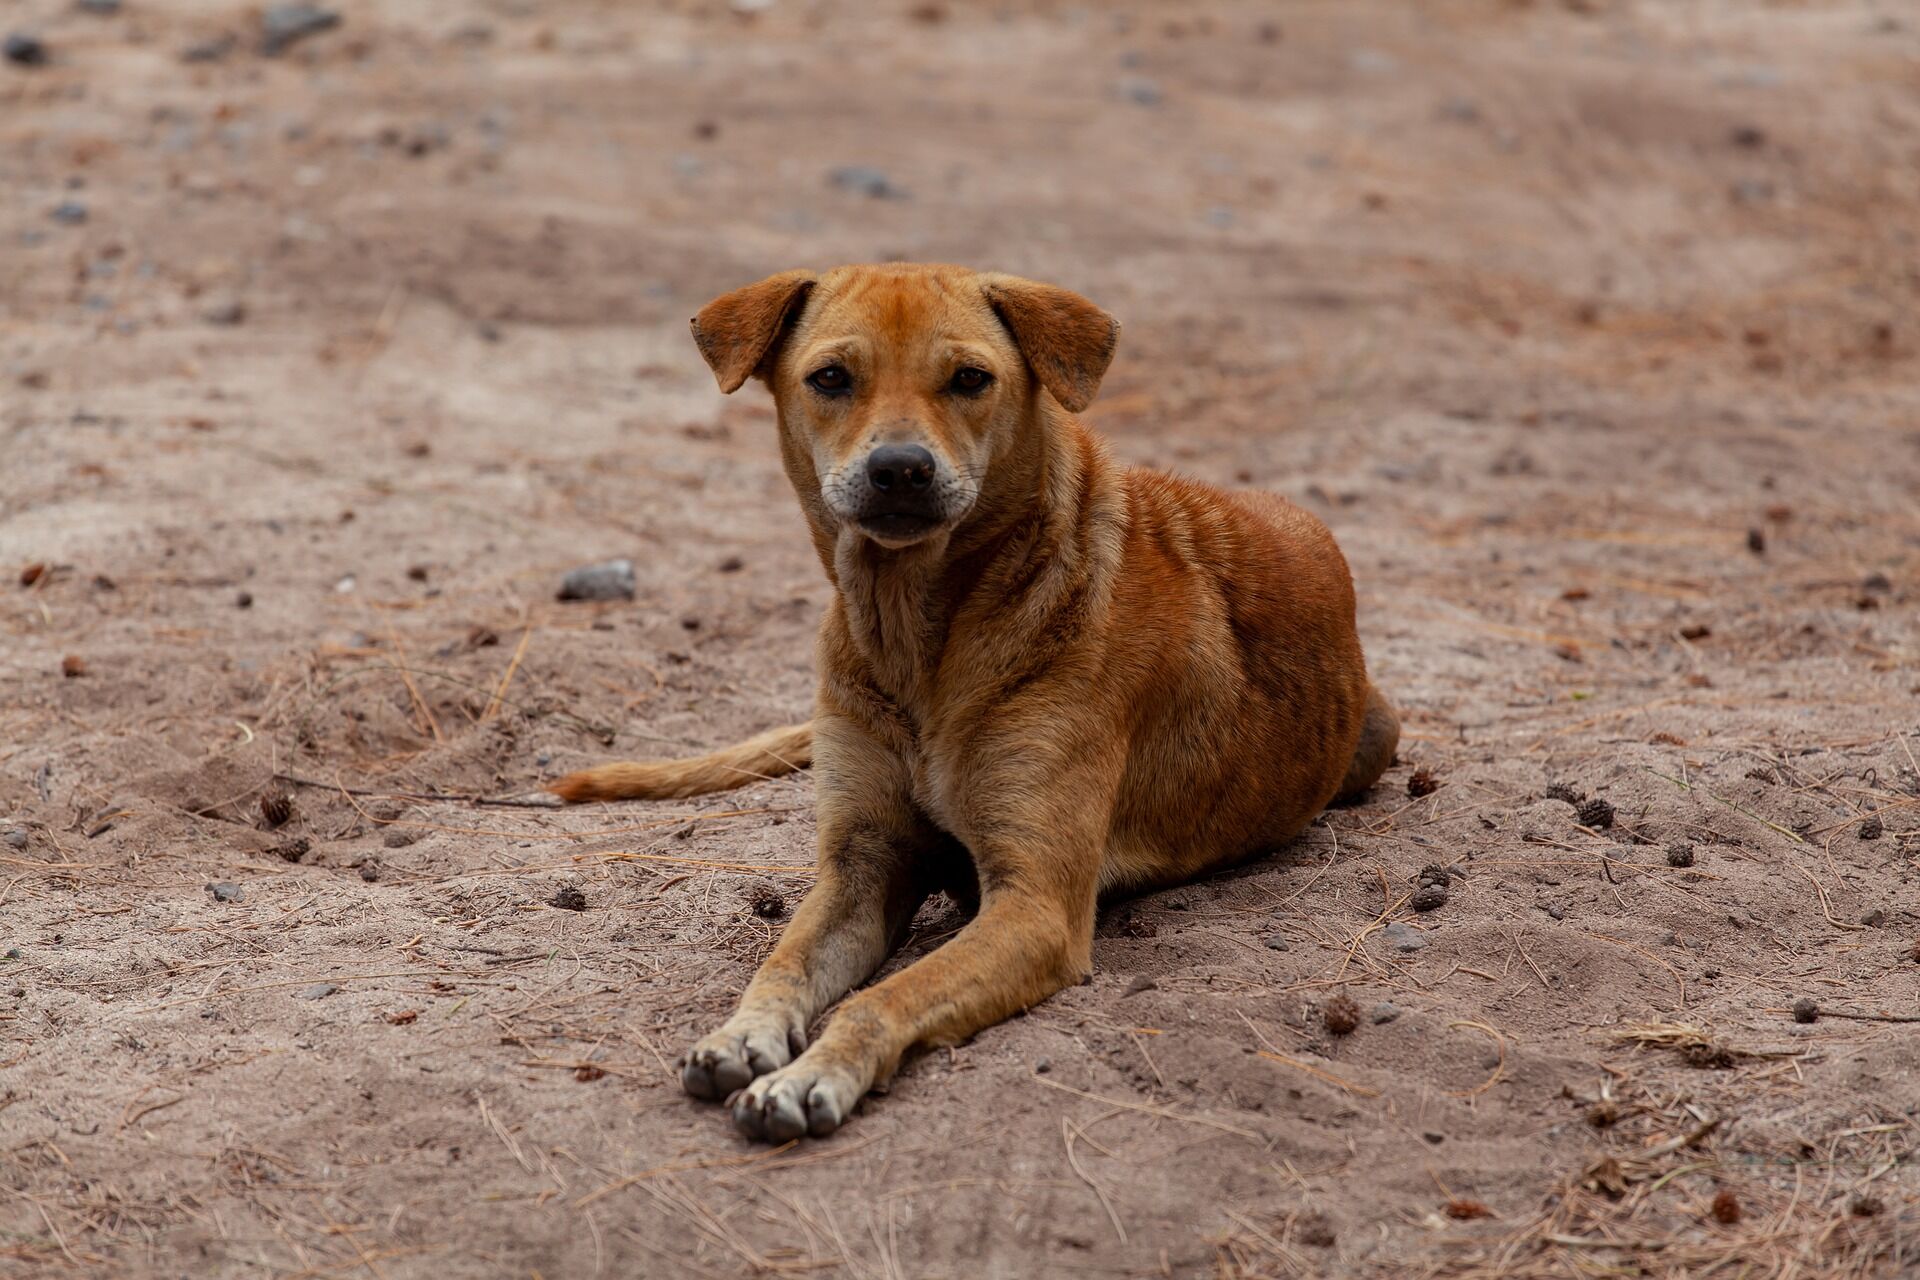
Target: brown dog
x=1044, y=677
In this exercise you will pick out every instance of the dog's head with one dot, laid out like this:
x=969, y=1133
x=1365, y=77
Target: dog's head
x=901, y=387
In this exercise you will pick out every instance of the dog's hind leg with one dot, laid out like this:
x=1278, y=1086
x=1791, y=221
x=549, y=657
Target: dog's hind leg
x=1379, y=737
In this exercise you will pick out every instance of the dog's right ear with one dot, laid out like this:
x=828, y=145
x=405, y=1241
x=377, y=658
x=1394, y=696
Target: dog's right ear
x=737, y=331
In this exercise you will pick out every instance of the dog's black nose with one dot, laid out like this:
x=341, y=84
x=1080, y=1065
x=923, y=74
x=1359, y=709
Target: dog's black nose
x=900, y=468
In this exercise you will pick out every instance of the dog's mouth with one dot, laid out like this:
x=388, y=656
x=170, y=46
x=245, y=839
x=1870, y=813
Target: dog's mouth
x=898, y=528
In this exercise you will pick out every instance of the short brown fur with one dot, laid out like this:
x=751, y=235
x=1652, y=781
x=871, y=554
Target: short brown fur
x=1086, y=680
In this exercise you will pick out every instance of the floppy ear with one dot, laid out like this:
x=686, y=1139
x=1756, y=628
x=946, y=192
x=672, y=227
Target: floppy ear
x=736, y=331
x=1067, y=341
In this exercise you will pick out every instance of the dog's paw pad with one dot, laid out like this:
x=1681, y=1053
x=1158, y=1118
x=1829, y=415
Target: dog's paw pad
x=726, y=1061
x=793, y=1103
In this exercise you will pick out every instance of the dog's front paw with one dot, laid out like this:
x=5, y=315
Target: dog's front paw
x=795, y=1101
x=730, y=1058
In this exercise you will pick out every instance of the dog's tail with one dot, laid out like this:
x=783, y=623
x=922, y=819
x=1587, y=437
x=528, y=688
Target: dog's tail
x=767, y=755
x=1379, y=737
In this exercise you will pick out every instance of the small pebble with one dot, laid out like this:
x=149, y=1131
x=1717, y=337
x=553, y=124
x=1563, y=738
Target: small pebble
x=609, y=580
x=318, y=991
x=1276, y=943
x=24, y=50
x=294, y=850
x=100, y=8
x=867, y=181
x=208, y=50
x=283, y=25
x=1403, y=936
x=1872, y=829
x=69, y=213
x=244, y=600
x=370, y=871
x=73, y=666
x=1422, y=783
x=226, y=313
x=568, y=898
x=770, y=906
x=1043, y=1065
x=1141, y=982
x=1141, y=91
x=1874, y=918
x=1557, y=911
x=17, y=838
x=1384, y=1012
x=1430, y=897
x=1563, y=793
x=1805, y=1011
x=1680, y=855
x=225, y=891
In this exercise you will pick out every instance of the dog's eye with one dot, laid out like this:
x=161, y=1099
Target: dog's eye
x=832, y=380
x=971, y=381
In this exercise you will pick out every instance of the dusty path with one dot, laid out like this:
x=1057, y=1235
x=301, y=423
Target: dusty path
x=1549, y=309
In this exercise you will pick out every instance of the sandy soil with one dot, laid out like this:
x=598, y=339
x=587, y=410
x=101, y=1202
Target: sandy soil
x=1588, y=326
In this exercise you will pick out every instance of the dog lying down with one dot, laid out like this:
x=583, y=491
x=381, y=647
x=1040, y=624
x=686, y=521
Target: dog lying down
x=1044, y=677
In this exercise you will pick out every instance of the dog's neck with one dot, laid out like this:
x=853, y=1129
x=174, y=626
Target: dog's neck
x=898, y=605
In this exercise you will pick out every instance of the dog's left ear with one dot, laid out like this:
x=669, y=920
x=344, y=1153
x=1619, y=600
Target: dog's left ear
x=736, y=332
x=1068, y=342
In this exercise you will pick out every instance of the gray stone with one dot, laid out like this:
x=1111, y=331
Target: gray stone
x=206, y=51
x=1384, y=1012
x=24, y=50
x=227, y=312
x=100, y=8
x=283, y=25
x=1142, y=91
x=318, y=991
x=226, y=891
x=17, y=838
x=69, y=213
x=868, y=181
x=1403, y=936
x=609, y=580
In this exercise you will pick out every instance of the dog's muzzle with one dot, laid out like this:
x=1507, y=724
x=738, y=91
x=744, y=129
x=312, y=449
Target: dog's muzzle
x=899, y=497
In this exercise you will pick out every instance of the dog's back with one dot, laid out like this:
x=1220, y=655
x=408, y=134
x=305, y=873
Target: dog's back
x=1241, y=607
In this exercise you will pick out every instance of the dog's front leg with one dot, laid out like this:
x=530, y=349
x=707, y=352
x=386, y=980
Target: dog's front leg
x=873, y=859
x=1033, y=935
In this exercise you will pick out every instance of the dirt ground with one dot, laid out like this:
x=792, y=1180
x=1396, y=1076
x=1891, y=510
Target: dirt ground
x=1589, y=327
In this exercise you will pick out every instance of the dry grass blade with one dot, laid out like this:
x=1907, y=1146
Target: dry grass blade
x=1499, y=1067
